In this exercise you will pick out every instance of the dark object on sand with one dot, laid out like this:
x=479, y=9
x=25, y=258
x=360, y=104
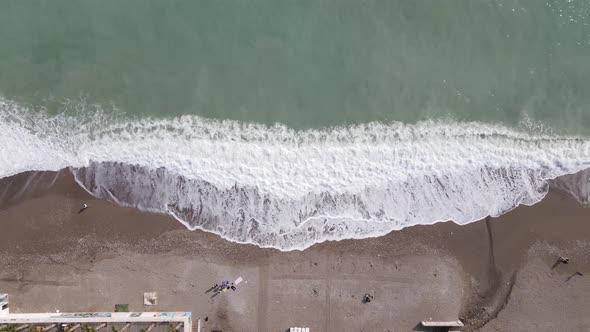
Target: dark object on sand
x=232, y=286
x=207, y=318
x=367, y=298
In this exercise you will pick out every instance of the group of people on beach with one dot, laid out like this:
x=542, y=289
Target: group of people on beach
x=224, y=287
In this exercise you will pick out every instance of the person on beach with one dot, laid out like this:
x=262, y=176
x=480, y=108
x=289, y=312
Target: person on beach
x=84, y=207
x=223, y=286
x=232, y=287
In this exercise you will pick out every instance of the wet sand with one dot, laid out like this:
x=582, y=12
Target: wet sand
x=496, y=274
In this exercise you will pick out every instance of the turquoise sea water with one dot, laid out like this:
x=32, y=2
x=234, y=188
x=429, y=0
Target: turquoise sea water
x=305, y=63
x=286, y=123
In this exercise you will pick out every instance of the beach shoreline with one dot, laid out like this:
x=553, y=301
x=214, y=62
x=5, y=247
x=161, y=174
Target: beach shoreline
x=491, y=273
x=431, y=156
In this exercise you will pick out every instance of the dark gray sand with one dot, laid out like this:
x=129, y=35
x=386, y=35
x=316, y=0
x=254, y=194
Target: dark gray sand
x=497, y=274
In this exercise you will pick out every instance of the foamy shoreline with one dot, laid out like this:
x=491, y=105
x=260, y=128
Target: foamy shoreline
x=277, y=187
x=44, y=181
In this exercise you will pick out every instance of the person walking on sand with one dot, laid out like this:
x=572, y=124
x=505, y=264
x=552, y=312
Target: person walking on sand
x=84, y=207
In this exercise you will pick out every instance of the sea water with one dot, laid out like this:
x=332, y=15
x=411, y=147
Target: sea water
x=287, y=123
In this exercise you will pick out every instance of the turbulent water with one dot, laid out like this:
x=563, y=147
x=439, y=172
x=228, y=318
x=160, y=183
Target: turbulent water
x=288, y=189
x=285, y=124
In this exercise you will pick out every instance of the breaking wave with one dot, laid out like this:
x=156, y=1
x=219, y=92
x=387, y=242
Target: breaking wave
x=288, y=189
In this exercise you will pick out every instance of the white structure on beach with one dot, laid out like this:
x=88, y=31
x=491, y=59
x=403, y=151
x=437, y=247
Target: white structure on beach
x=448, y=325
x=4, y=309
x=94, y=321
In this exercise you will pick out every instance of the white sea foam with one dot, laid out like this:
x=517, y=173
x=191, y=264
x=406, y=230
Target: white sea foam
x=289, y=189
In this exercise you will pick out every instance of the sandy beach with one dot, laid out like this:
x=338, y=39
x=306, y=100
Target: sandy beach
x=497, y=274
